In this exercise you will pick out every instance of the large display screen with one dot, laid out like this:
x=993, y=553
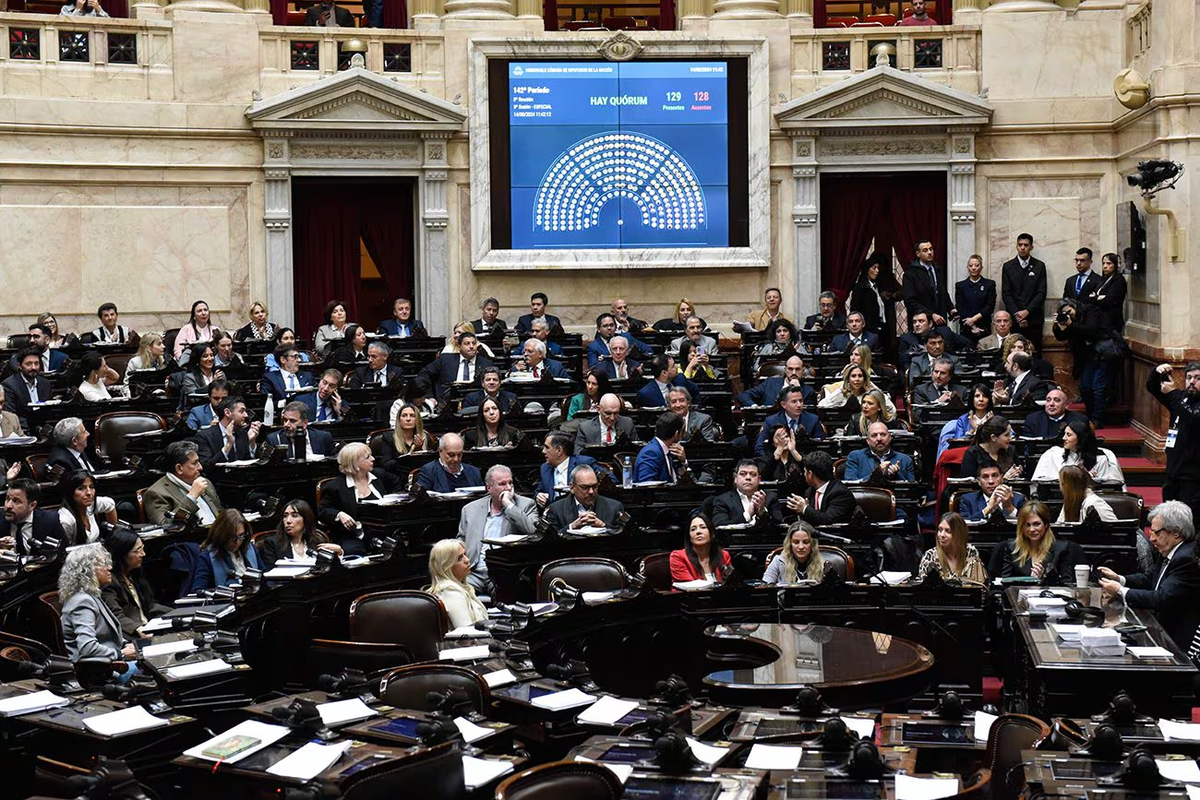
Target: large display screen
x=632, y=154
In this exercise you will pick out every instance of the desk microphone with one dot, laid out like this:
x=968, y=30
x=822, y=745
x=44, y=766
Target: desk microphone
x=111, y=779
x=349, y=682
x=835, y=538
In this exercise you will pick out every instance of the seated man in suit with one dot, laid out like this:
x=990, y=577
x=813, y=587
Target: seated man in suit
x=921, y=366
x=747, y=502
x=828, y=318
x=541, y=331
x=498, y=513
x=661, y=458
x=537, y=312
x=402, y=323
x=585, y=507
x=827, y=501
x=664, y=374
x=993, y=494
x=606, y=329
x=856, y=334
x=288, y=378
x=24, y=524
x=70, y=451
x=534, y=362
x=460, y=367
x=448, y=473
x=694, y=333
x=377, y=371
x=10, y=425
x=1047, y=422
x=27, y=386
x=626, y=323
x=52, y=358
x=205, y=414
x=879, y=456
x=792, y=414
x=558, y=450
x=766, y=392
x=182, y=490
x=619, y=366
x=608, y=427
x=295, y=429
x=325, y=404
x=233, y=438
x=912, y=344
x=1022, y=386
x=1001, y=330
x=941, y=389
x=328, y=14
x=489, y=379
x=489, y=321
x=697, y=426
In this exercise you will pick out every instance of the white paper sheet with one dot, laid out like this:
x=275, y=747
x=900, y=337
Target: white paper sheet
x=1151, y=652
x=774, y=756
x=341, y=711
x=309, y=761
x=1193, y=792
x=29, y=703
x=266, y=734
x=592, y=598
x=470, y=731
x=127, y=720
x=157, y=624
x=471, y=653
x=510, y=538
x=569, y=698
x=706, y=752
x=294, y=571
x=623, y=771
x=1183, y=731
x=865, y=728
x=1068, y=633
x=910, y=788
x=467, y=632
x=480, y=771
x=983, y=725
x=891, y=578
x=607, y=710
x=691, y=586
x=167, y=648
x=501, y=677
x=1182, y=769
x=209, y=667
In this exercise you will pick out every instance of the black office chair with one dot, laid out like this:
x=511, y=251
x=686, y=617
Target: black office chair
x=577, y=780
x=408, y=687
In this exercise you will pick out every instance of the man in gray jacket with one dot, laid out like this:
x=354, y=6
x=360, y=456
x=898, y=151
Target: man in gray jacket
x=498, y=513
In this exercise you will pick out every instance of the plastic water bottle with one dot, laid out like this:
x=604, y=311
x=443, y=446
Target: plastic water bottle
x=627, y=472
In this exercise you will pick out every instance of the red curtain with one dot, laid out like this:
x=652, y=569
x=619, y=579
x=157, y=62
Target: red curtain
x=666, y=15
x=848, y=223
x=550, y=14
x=395, y=14
x=279, y=11
x=387, y=232
x=819, y=14
x=916, y=210
x=116, y=8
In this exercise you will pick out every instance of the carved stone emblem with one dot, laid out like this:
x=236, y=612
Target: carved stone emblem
x=621, y=47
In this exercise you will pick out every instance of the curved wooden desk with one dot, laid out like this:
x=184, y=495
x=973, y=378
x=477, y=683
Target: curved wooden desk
x=768, y=663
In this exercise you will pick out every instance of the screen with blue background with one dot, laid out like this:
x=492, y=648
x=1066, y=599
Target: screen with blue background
x=619, y=155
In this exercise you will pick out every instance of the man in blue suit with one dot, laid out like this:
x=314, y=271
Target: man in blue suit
x=619, y=366
x=537, y=311
x=205, y=414
x=792, y=414
x=449, y=472
x=878, y=455
x=558, y=449
x=856, y=334
x=541, y=331
x=606, y=329
x=766, y=393
x=994, y=494
x=325, y=404
x=289, y=378
x=39, y=339
x=535, y=363
x=655, y=460
x=295, y=424
x=664, y=374
x=402, y=323
x=489, y=379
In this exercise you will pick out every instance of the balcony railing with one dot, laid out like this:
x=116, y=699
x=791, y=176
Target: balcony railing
x=319, y=51
x=41, y=39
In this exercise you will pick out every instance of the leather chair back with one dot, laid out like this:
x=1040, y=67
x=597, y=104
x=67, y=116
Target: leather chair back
x=1126, y=505
x=980, y=787
x=375, y=441
x=15, y=650
x=577, y=780
x=330, y=656
x=325, y=485
x=878, y=504
x=656, y=569
x=112, y=428
x=839, y=561
x=18, y=341
x=412, y=618
x=587, y=574
x=45, y=622
x=39, y=465
x=432, y=772
x=407, y=687
x=956, y=499
x=1010, y=734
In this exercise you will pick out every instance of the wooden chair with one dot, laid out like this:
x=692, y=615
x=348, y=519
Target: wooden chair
x=45, y=622
x=408, y=687
x=408, y=617
x=877, y=503
x=656, y=569
x=587, y=574
x=577, y=780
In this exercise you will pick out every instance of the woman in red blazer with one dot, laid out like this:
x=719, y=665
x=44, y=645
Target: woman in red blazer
x=702, y=556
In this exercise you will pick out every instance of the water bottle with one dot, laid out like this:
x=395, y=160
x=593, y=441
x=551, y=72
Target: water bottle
x=627, y=472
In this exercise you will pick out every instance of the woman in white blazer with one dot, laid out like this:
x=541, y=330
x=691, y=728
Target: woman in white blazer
x=448, y=570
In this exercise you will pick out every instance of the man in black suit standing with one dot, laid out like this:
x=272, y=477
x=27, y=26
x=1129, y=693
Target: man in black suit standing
x=925, y=288
x=1171, y=590
x=1083, y=285
x=747, y=503
x=27, y=385
x=296, y=431
x=827, y=501
x=234, y=438
x=24, y=523
x=537, y=311
x=1023, y=289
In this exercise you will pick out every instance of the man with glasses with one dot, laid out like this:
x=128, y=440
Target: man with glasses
x=289, y=378
x=1084, y=283
x=584, y=507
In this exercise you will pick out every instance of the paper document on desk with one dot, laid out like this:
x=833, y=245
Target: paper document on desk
x=865, y=728
x=501, y=677
x=482, y=771
x=29, y=703
x=18, y=440
x=245, y=462
x=257, y=734
x=1068, y=633
x=622, y=771
x=607, y=710
x=127, y=720
x=470, y=731
x=508, y=538
x=1182, y=731
x=691, y=586
x=595, y=598
x=910, y=788
x=210, y=667
x=1183, y=770
x=309, y=761
x=983, y=725
x=473, y=653
x=891, y=578
x=168, y=648
x=293, y=571
x=342, y=711
x=467, y=632
x=1151, y=652
x=157, y=624
x=706, y=752
x=774, y=756
x=560, y=701
x=1193, y=792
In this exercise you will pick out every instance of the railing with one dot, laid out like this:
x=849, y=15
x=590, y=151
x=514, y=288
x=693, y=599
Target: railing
x=320, y=51
x=40, y=39
x=829, y=54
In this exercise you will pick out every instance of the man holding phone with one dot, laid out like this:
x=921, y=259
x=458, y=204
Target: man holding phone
x=328, y=15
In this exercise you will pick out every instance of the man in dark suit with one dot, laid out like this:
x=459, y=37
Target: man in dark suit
x=489, y=321
x=606, y=329
x=664, y=374
x=1023, y=289
x=288, y=378
x=489, y=380
x=608, y=427
x=828, y=317
x=975, y=299
x=619, y=366
x=1022, y=386
x=626, y=323
x=827, y=501
x=912, y=344
x=534, y=362
x=559, y=452
x=24, y=524
x=993, y=495
x=295, y=430
x=585, y=507
x=233, y=438
x=697, y=426
x=448, y=473
x=925, y=288
x=661, y=458
x=205, y=414
x=460, y=367
x=792, y=414
x=377, y=371
x=402, y=323
x=1046, y=422
x=747, y=502
x=856, y=334
x=328, y=15
x=766, y=393
x=27, y=385
x=1083, y=285
x=325, y=404
x=70, y=451
x=941, y=389
x=1172, y=590
x=541, y=330
x=921, y=365
x=537, y=311
x=52, y=359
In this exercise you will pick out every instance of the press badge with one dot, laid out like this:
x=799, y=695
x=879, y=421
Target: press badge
x=1172, y=433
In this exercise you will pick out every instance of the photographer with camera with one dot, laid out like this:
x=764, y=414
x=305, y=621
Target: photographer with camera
x=1082, y=327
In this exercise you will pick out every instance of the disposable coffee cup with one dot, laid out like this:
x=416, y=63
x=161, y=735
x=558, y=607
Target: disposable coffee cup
x=1082, y=573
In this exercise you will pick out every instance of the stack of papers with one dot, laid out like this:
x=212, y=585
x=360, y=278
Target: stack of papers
x=865, y=728
x=1068, y=633
x=510, y=538
x=482, y=771
x=1182, y=731
x=472, y=653
x=691, y=586
x=340, y=712
x=309, y=761
x=569, y=698
x=774, y=756
x=891, y=578
x=607, y=710
x=1151, y=652
x=622, y=771
x=501, y=677
x=1183, y=770
x=209, y=667
x=470, y=731
x=127, y=720
x=467, y=632
x=29, y=703
x=706, y=753
x=910, y=788
x=157, y=624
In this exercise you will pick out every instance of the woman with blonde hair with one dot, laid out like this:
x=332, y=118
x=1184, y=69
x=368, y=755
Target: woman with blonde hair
x=800, y=559
x=408, y=436
x=874, y=408
x=461, y=328
x=151, y=354
x=259, y=328
x=953, y=556
x=448, y=570
x=57, y=339
x=1036, y=553
x=677, y=323
x=855, y=384
x=363, y=481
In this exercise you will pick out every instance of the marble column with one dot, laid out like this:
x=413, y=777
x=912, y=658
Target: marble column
x=433, y=271
x=799, y=11
x=745, y=9
x=277, y=217
x=425, y=14
x=806, y=240
x=689, y=9
x=211, y=6
x=479, y=9
x=961, y=191
x=529, y=9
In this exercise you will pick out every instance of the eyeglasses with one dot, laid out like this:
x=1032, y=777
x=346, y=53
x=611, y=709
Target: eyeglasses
x=1156, y=530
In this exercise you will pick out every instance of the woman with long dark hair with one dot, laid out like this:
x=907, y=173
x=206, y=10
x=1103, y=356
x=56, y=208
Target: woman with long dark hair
x=354, y=347
x=595, y=385
x=490, y=428
x=201, y=371
x=1080, y=446
x=82, y=508
x=991, y=446
x=226, y=553
x=198, y=329
x=965, y=426
x=129, y=596
x=296, y=537
x=702, y=556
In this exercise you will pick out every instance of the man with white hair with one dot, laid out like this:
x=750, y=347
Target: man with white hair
x=70, y=447
x=535, y=363
x=449, y=473
x=498, y=513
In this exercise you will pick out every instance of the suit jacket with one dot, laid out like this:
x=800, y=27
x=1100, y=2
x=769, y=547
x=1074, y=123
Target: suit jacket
x=16, y=395
x=863, y=299
x=650, y=397
x=633, y=369
x=120, y=602
x=9, y=424
x=310, y=399
x=1039, y=425
x=520, y=517
x=273, y=383
x=590, y=432
x=525, y=324
x=1091, y=284
x=971, y=505
x=727, y=509
x=921, y=367
x=46, y=525
x=836, y=323
x=563, y=511
x=57, y=359
x=213, y=569
x=1174, y=601
x=976, y=298
x=444, y=370
x=165, y=497
x=761, y=318
x=507, y=400
x=433, y=476
x=321, y=442
x=1025, y=290
x=928, y=393
x=861, y=463
x=843, y=341
x=338, y=497
x=499, y=325
x=920, y=293
x=546, y=480
x=707, y=342
x=809, y=422
x=837, y=505
x=651, y=464
x=201, y=416
x=1032, y=388
x=598, y=347
x=548, y=367
x=682, y=568
x=341, y=16
x=1059, y=565
x=992, y=342
x=700, y=427
x=414, y=327
x=1109, y=296
x=210, y=442
x=89, y=629
x=62, y=457
x=365, y=376
x=766, y=393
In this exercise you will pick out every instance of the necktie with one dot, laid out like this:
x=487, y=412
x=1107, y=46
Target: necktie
x=466, y=370
x=537, y=372
x=321, y=413
x=1161, y=572
x=792, y=423
x=381, y=378
x=607, y=435
x=1078, y=285
x=292, y=382
x=933, y=277
x=817, y=499
x=670, y=466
